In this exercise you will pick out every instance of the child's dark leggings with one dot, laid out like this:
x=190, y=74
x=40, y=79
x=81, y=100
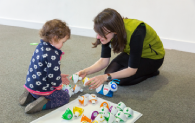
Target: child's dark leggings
x=146, y=69
x=57, y=99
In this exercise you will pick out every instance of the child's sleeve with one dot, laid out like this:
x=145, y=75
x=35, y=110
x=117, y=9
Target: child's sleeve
x=53, y=70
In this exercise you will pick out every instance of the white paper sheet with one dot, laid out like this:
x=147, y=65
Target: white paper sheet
x=56, y=115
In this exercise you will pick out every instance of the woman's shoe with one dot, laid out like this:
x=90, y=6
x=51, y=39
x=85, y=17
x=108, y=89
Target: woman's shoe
x=25, y=98
x=36, y=105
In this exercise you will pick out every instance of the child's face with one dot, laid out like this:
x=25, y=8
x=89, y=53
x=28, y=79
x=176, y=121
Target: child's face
x=60, y=42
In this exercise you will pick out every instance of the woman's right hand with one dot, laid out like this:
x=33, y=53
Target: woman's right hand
x=81, y=73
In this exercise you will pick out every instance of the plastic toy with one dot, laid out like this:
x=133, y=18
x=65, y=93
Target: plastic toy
x=77, y=111
x=83, y=100
x=76, y=78
x=113, y=85
x=68, y=89
x=85, y=80
x=84, y=122
x=93, y=98
x=120, y=116
x=95, y=121
x=67, y=115
x=103, y=89
x=107, y=90
x=121, y=106
x=103, y=110
x=104, y=104
x=94, y=115
x=110, y=118
x=77, y=88
x=100, y=89
x=100, y=119
x=128, y=112
x=34, y=43
x=113, y=110
x=85, y=119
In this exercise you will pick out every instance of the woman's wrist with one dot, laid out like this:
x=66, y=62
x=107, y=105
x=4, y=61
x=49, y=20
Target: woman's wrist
x=85, y=71
x=105, y=77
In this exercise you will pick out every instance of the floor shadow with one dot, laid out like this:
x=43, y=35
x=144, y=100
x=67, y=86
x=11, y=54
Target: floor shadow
x=143, y=90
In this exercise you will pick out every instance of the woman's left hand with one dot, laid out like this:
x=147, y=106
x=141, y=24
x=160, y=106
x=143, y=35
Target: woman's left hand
x=96, y=81
x=65, y=80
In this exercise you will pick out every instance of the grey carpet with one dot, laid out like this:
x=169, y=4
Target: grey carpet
x=167, y=98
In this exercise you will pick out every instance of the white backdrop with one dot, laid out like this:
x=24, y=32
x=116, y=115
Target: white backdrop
x=173, y=20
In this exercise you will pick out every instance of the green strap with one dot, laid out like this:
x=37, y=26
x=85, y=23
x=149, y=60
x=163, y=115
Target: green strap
x=34, y=43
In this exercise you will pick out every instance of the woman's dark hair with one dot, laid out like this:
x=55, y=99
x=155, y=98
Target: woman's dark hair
x=112, y=21
x=56, y=29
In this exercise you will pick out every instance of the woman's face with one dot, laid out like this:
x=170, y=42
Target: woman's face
x=109, y=35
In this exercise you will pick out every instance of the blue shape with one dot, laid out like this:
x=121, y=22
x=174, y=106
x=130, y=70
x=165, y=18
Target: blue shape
x=110, y=93
x=116, y=81
x=113, y=86
x=44, y=107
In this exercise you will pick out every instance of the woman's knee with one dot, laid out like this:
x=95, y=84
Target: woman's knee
x=113, y=67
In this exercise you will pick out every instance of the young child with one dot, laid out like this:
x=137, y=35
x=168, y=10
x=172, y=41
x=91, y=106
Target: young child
x=44, y=78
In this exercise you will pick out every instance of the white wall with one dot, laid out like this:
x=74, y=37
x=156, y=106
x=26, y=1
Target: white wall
x=173, y=20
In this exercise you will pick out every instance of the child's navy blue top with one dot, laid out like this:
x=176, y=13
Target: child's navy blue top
x=44, y=73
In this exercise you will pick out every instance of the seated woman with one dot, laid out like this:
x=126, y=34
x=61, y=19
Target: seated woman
x=141, y=50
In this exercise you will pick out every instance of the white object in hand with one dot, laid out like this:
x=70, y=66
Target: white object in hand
x=85, y=80
x=76, y=78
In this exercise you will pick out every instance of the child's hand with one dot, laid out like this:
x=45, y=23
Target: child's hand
x=65, y=80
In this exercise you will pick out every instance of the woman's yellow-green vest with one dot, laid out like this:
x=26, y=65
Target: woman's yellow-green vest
x=152, y=45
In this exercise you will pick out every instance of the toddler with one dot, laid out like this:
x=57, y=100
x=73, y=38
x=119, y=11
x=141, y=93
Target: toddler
x=44, y=78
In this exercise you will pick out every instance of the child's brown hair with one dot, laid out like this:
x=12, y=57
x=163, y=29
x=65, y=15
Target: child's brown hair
x=56, y=29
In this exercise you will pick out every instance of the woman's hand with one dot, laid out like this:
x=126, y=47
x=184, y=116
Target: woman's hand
x=96, y=81
x=81, y=73
x=65, y=80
